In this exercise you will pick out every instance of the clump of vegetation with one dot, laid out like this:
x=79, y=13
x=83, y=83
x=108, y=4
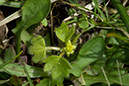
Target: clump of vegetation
x=86, y=46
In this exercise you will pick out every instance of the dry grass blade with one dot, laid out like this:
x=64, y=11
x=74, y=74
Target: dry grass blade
x=15, y=15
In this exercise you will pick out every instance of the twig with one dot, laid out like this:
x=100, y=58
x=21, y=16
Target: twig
x=53, y=48
x=105, y=76
x=119, y=72
x=106, y=4
x=52, y=27
x=125, y=2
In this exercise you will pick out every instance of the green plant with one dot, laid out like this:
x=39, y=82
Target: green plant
x=98, y=61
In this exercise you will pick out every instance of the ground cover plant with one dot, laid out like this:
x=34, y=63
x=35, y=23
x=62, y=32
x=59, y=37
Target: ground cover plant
x=64, y=43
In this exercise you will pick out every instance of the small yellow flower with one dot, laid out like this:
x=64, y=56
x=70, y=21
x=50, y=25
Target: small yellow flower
x=69, y=48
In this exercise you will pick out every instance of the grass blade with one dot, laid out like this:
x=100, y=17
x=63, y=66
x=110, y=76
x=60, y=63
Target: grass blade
x=122, y=12
x=27, y=74
x=4, y=64
x=2, y=1
x=100, y=11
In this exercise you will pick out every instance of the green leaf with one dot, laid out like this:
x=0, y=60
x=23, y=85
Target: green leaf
x=76, y=38
x=33, y=11
x=44, y=82
x=83, y=24
x=3, y=81
x=15, y=4
x=38, y=49
x=70, y=33
x=114, y=52
x=47, y=39
x=44, y=22
x=57, y=65
x=64, y=65
x=58, y=80
x=17, y=70
x=4, y=64
x=15, y=80
x=2, y=1
x=90, y=52
x=62, y=32
x=56, y=71
x=50, y=62
x=89, y=80
x=9, y=54
x=26, y=36
x=95, y=67
x=4, y=75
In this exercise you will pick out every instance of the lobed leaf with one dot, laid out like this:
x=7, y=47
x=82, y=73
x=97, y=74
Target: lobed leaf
x=57, y=65
x=50, y=62
x=38, y=49
x=56, y=71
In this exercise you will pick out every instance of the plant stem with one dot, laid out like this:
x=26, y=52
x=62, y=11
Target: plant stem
x=105, y=76
x=62, y=54
x=119, y=72
x=53, y=48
